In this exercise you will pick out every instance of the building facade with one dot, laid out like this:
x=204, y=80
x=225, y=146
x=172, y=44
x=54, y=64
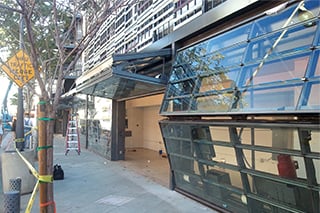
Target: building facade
x=238, y=83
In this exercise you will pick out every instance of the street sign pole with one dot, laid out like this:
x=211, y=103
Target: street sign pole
x=19, y=68
x=20, y=113
x=20, y=122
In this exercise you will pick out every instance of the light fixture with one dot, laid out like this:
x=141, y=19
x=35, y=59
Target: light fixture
x=304, y=15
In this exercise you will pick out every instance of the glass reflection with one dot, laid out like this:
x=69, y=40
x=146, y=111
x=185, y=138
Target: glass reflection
x=275, y=99
x=208, y=163
x=269, y=24
x=243, y=64
x=99, y=125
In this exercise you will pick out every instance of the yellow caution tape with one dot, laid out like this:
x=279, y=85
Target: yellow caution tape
x=33, y=171
x=40, y=178
x=19, y=140
x=45, y=178
x=28, y=133
x=32, y=198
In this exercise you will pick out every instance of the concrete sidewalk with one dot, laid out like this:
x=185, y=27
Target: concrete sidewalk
x=94, y=184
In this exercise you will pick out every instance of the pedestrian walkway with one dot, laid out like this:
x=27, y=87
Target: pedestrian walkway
x=94, y=184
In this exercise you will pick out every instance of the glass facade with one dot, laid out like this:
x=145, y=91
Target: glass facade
x=95, y=124
x=263, y=66
x=243, y=123
x=246, y=166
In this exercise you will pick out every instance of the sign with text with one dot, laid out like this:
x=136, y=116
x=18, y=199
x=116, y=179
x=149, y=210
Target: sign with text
x=19, y=68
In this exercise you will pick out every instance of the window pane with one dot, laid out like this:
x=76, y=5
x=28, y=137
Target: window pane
x=315, y=70
x=217, y=102
x=225, y=58
x=180, y=88
x=271, y=99
x=275, y=71
x=268, y=24
x=283, y=193
x=230, y=38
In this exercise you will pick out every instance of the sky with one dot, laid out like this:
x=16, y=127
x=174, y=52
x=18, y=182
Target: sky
x=4, y=83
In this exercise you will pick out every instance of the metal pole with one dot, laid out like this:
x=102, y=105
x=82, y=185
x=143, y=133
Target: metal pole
x=87, y=121
x=20, y=111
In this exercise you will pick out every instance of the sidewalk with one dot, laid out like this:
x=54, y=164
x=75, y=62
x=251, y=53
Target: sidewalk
x=94, y=184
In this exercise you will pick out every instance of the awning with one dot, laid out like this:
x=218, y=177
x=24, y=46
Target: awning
x=127, y=76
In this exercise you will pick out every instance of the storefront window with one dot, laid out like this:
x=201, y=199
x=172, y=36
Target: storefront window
x=96, y=125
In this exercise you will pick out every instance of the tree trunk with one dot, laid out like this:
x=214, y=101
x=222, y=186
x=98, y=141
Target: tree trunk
x=45, y=153
x=42, y=155
x=50, y=139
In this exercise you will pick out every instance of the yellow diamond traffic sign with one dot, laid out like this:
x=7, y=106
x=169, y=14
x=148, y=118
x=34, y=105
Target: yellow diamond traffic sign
x=19, y=68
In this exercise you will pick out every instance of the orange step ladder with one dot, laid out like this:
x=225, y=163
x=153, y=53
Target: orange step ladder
x=72, y=134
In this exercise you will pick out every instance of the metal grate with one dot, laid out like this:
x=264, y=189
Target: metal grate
x=12, y=202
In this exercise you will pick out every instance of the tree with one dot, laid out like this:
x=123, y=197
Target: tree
x=50, y=26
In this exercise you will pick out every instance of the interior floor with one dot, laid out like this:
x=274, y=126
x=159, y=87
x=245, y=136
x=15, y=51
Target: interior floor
x=148, y=163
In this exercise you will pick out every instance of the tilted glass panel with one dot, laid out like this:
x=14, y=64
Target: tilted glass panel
x=275, y=71
x=176, y=131
x=181, y=71
x=176, y=105
x=262, y=160
x=297, y=40
x=275, y=98
x=224, y=59
x=253, y=60
x=215, y=102
x=314, y=98
x=310, y=98
x=216, y=182
x=220, y=134
x=215, y=92
x=193, y=164
x=314, y=146
x=228, y=39
x=281, y=193
x=278, y=138
x=218, y=81
x=268, y=24
x=315, y=70
x=269, y=163
x=316, y=162
x=180, y=88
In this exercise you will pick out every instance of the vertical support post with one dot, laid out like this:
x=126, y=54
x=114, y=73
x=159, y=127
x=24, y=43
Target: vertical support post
x=42, y=154
x=20, y=122
x=235, y=140
x=87, y=121
x=118, y=130
x=304, y=139
x=20, y=119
